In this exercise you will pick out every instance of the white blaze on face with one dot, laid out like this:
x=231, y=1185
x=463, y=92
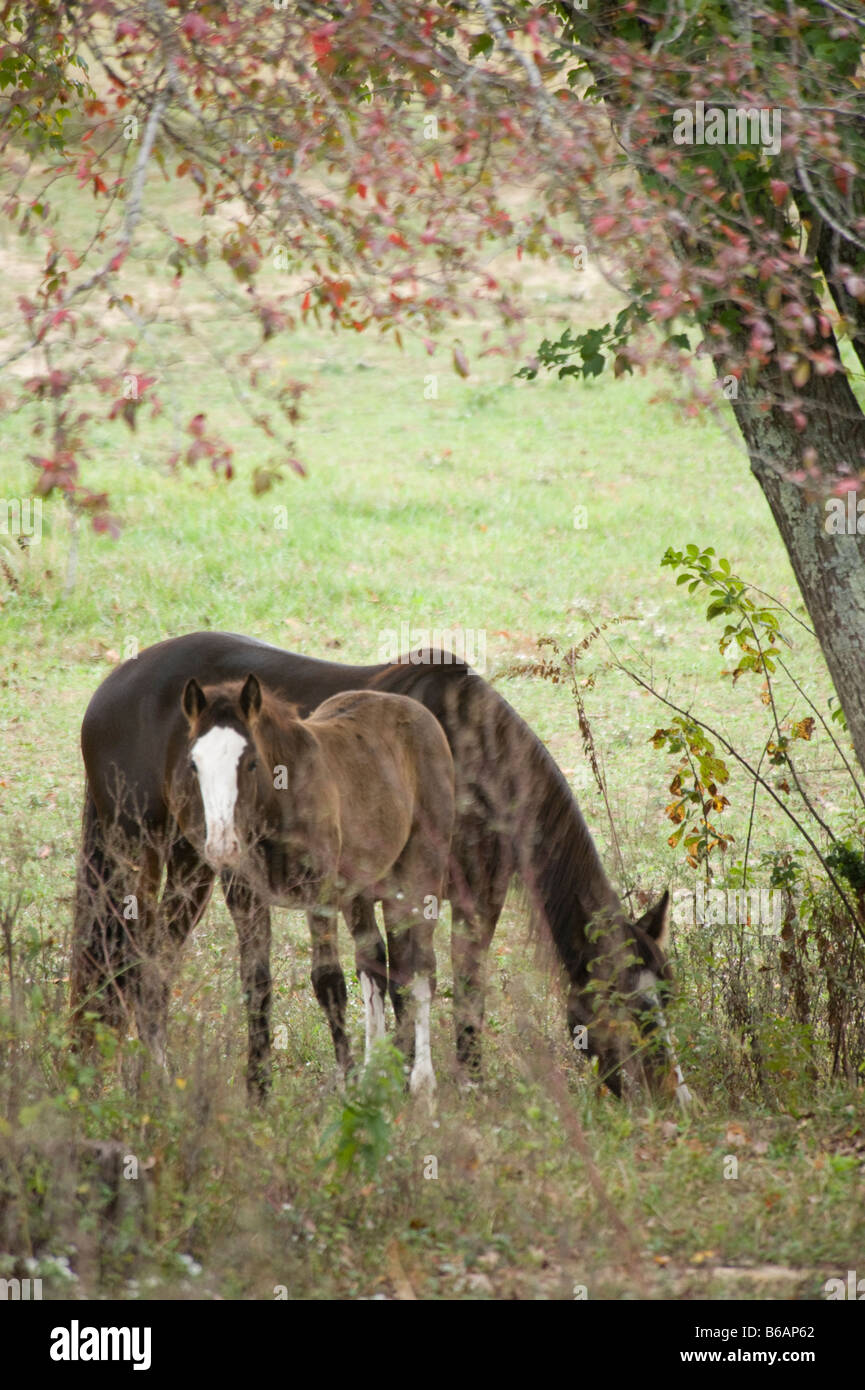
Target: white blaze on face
x=215, y=758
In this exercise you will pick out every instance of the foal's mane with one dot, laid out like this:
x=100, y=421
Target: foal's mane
x=279, y=711
x=226, y=695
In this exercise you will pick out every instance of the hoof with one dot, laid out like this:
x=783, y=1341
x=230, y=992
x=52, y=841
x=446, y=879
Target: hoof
x=422, y=1085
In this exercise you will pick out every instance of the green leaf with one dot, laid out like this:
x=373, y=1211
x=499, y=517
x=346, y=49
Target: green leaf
x=483, y=43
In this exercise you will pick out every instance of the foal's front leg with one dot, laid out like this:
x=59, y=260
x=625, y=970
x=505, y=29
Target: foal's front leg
x=328, y=980
x=251, y=917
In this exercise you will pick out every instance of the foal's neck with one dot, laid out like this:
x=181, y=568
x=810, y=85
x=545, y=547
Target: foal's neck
x=281, y=733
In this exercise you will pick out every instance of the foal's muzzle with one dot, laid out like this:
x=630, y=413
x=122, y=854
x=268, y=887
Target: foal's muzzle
x=222, y=851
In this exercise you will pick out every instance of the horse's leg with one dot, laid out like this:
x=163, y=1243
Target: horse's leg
x=99, y=948
x=399, y=977
x=188, y=885
x=251, y=917
x=328, y=980
x=480, y=871
x=371, y=961
x=414, y=972
x=471, y=937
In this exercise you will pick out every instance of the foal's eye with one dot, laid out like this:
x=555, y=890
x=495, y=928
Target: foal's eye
x=252, y=765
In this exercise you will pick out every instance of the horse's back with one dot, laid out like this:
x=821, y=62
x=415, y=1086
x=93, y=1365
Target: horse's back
x=373, y=716
x=134, y=719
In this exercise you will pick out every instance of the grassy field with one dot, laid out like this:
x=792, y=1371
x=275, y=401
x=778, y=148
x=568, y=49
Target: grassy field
x=450, y=512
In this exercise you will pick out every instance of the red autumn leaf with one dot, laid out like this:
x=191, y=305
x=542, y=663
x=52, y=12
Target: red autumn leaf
x=93, y=501
x=194, y=27
x=779, y=190
x=103, y=523
x=222, y=463
x=320, y=39
x=603, y=224
x=196, y=451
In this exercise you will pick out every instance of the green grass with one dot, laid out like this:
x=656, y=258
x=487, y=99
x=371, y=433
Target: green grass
x=457, y=511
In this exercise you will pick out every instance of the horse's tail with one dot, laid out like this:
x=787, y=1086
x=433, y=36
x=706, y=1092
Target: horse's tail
x=99, y=954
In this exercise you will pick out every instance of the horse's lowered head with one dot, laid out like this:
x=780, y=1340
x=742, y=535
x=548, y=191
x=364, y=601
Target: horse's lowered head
x=223, y=784
x=616, y=1009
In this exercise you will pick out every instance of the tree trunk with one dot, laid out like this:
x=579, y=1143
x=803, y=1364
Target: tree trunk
x=829, y=568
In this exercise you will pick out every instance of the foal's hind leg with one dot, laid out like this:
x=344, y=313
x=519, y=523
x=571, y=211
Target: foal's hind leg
x=251, y=917
x=400, y=972
x=188, y=885
x=413, y=974
x=328, y=980
x=371, y=961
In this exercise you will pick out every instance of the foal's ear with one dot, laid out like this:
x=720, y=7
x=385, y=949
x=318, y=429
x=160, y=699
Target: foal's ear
x=250, y=698
x=194, y=700
x=656, y=922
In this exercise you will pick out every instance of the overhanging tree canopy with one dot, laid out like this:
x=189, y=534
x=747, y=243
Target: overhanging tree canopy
x=370, y=153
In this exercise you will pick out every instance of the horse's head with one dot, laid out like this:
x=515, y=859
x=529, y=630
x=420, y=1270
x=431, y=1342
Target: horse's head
x=618, y=1014
x=221, y=784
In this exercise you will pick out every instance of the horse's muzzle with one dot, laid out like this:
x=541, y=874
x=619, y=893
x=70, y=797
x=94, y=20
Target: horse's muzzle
x=222, y=853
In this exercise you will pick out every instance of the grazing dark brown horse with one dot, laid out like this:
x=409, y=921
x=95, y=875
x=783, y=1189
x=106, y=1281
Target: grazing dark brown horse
x=515, y=815
x=352, y=806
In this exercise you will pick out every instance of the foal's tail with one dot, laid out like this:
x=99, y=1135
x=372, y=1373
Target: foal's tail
x=99, y=950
